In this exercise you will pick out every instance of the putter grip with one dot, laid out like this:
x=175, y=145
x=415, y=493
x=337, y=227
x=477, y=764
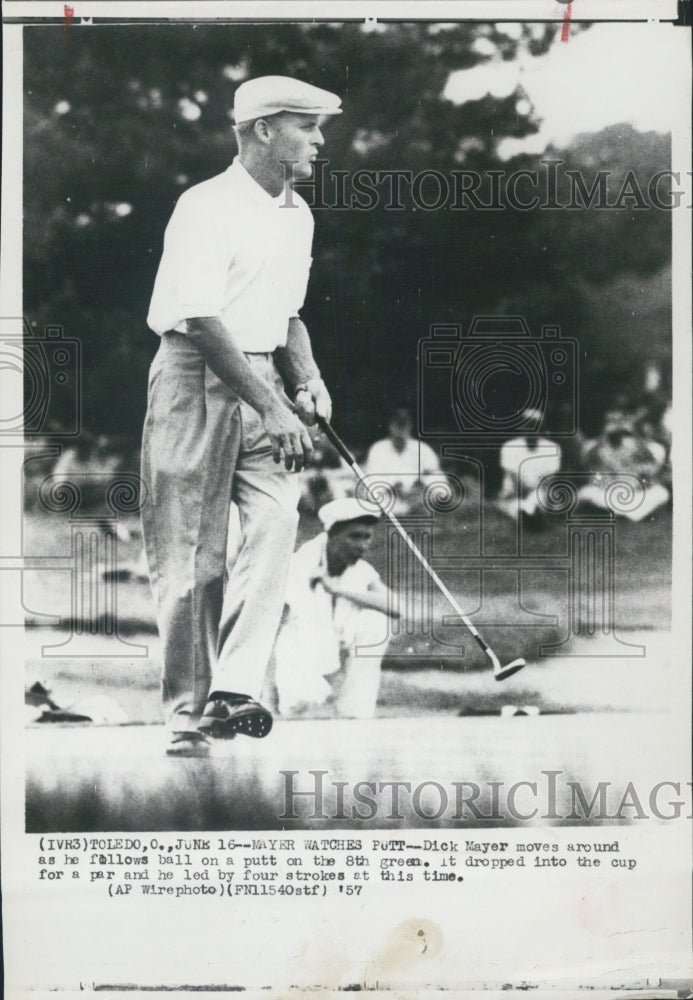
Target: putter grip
x=334, y=438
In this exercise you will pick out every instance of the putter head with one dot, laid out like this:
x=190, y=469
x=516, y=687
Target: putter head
x=502, y=673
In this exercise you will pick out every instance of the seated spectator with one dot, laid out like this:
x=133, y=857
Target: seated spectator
x=39, y=460
x=621, y=450
x=665, y=424
x=525, y=461
x=87, y=453
x=335, y=602
x=621, y=414
x=401, y=461
x=663, y=436
x=91, y=464
x=328, y=477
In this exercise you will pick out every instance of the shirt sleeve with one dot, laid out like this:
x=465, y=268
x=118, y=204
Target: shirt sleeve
x=373, y=459
x=200, y=258
x=430, y=463
x=508, y=461
x=300, y=288
x=194, y=266
x=300, y=266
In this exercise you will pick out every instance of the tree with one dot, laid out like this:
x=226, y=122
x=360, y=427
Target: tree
x=119, y=121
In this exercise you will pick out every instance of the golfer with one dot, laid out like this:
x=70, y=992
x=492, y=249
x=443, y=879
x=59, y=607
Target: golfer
x=230, y=390
x=336, y=608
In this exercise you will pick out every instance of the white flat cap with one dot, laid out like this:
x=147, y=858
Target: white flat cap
x=268, y=95
x=346, y=509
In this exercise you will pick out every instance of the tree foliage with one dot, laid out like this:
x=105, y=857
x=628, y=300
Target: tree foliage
x=119, y=120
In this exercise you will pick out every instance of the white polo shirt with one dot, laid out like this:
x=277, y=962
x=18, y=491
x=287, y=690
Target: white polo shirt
x=401, y=467
x=232, y=250
x=316, y=619
x=530, y=465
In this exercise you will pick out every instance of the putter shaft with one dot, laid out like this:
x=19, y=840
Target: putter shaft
x=349, y=458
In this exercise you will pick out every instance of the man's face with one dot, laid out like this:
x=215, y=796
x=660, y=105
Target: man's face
x=295, y=140
x=349, y=542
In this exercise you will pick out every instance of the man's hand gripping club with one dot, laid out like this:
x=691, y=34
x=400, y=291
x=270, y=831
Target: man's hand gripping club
x=288, y=435
x=312, y=400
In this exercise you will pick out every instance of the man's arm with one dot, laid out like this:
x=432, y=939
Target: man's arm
x=377, y=596
x=286, y=432
x=302, y=375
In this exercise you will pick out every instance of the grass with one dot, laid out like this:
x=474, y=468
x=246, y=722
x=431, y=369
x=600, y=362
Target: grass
x=554, y=685
x=474, y=557
x=81, y=778
x=517, y=612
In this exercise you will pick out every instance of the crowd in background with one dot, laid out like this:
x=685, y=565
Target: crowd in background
x=634, y=441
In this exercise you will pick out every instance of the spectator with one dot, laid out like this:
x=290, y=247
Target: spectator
x=90, y=460
x=401, y=461
x=91, y=464
x=328, y=477
x=525, y=461
x=664, y=429
x=39, y=461
x=623, y=451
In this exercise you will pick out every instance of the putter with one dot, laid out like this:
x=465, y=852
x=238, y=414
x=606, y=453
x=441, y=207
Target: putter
x=499, y=672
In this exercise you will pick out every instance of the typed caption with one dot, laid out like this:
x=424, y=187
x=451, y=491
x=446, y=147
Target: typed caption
x=219, y=866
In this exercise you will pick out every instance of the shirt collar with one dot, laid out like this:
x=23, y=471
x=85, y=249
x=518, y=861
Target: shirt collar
x=237, y=173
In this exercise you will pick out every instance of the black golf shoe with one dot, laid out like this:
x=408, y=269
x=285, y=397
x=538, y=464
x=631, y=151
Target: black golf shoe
x=227, y=715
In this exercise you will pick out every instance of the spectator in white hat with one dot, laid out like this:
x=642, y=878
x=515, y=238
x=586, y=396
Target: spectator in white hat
x=220, y=425
x=336, y=607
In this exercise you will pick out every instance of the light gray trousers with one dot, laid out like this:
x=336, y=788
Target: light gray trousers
x=202, y=450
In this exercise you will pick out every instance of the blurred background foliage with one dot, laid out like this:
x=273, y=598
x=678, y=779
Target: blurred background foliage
x=119, y=120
